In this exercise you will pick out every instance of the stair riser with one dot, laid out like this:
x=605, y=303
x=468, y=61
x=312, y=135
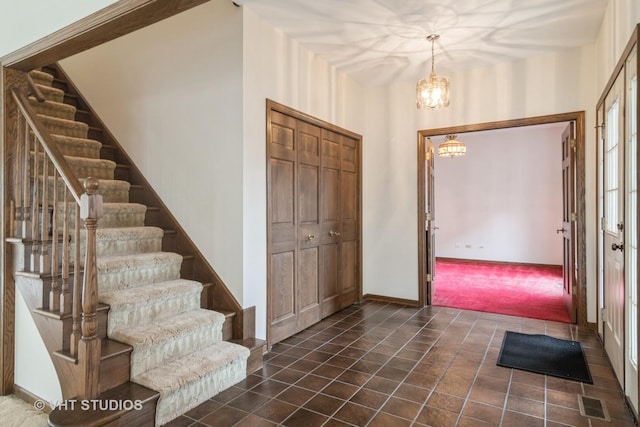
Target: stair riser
x=65, y=127
x=78, y=147
x=114, y=371
x=82, y=168
x=112, y=217
x=193, y=394
x=124, y=277
x=58, y=110
x=41, y=78
x=112, y=192
x=134, y=315
x=152, y=356
x=129, y=246
x=51, y=94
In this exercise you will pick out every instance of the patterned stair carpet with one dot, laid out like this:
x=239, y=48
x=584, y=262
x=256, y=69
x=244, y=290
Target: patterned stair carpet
x=177, y=346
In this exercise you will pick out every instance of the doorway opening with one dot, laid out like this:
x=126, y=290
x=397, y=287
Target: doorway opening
x=568, y=226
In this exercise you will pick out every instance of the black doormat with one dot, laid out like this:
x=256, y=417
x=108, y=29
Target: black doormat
x=546, y=355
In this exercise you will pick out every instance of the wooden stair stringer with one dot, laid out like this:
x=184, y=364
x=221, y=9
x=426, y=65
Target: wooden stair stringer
x=54, y=329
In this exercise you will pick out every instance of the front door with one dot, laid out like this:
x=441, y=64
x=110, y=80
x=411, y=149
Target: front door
x=631, y=230
x=613, y=228
x=568, y=220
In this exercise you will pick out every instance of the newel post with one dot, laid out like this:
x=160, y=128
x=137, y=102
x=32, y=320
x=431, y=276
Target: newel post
x=89, y=345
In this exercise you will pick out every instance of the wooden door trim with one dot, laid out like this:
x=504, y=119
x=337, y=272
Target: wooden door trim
x=579, y=118
x=109, y=23
x=283, y=109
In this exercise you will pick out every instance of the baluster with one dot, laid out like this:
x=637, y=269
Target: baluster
x=54, y=293
x=25, y=181
x=89, y=346
x=19, y=203
x=77, y=291
x=44, y=212
x=35, y=248
x=65, y=302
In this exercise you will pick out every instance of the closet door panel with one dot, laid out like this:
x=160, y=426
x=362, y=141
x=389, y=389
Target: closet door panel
x=282, y=308
x=308, y=197
x=283, y=315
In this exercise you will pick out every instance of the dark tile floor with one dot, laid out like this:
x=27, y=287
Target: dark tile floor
x=378, y=364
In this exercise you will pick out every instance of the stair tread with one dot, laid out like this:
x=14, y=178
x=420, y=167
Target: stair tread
x=164, y=329
x=55, y=314
x=147, y=292
x=108, y=348
x=192, y=367
x=138, y=259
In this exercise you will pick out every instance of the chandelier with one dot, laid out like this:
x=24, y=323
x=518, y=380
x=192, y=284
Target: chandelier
x=433, y=92
x=451, y=147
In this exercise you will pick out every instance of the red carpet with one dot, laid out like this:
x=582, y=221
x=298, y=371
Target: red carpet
x=517, y=290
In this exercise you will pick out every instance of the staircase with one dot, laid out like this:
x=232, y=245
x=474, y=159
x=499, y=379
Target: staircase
x=156, y=339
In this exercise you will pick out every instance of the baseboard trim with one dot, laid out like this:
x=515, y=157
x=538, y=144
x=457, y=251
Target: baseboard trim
x=530, y=264
x=391, y=300
x=29, y=397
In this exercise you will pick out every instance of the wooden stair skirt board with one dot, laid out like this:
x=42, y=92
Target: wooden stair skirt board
x=314, y=220
x=172, y=334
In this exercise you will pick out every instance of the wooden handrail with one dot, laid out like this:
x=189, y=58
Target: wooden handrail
x=50, y=147
x=35, y=90
x=37, y=210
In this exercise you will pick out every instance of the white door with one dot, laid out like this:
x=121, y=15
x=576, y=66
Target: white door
x=631, y=232
x=613, y=226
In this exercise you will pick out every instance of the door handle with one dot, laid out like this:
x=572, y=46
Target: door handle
x=616, y=246
x=560, y=230
x=334, y=233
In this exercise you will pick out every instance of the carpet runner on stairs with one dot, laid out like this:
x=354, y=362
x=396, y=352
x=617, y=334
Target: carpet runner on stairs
x=177, y=346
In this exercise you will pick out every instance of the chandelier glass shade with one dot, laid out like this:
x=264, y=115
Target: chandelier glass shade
x=451, y=147
x=432, y=93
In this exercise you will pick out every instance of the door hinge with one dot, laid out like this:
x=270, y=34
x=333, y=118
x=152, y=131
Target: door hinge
x=572, y=143
x=574, y=217
x=427, y=216
x=428, y=277
x=602, y=313
x=602, y=223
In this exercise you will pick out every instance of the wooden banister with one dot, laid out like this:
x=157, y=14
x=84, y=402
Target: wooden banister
x=35, y=90
x=44, y=214
x=49, y=146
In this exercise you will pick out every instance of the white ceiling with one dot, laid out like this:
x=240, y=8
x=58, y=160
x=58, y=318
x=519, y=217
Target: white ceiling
x=380, y=41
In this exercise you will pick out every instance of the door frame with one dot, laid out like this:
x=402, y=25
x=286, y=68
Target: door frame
x=634, y=42
x=581, y=249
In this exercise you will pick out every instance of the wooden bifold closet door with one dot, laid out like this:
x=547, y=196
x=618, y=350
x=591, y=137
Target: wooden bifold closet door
x=313, y=221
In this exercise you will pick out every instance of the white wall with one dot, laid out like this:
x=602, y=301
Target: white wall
x=277, y=68
x=548, y=84
x=25, y=21
x=33, y=367
x=172, y=95
x=502, y=201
